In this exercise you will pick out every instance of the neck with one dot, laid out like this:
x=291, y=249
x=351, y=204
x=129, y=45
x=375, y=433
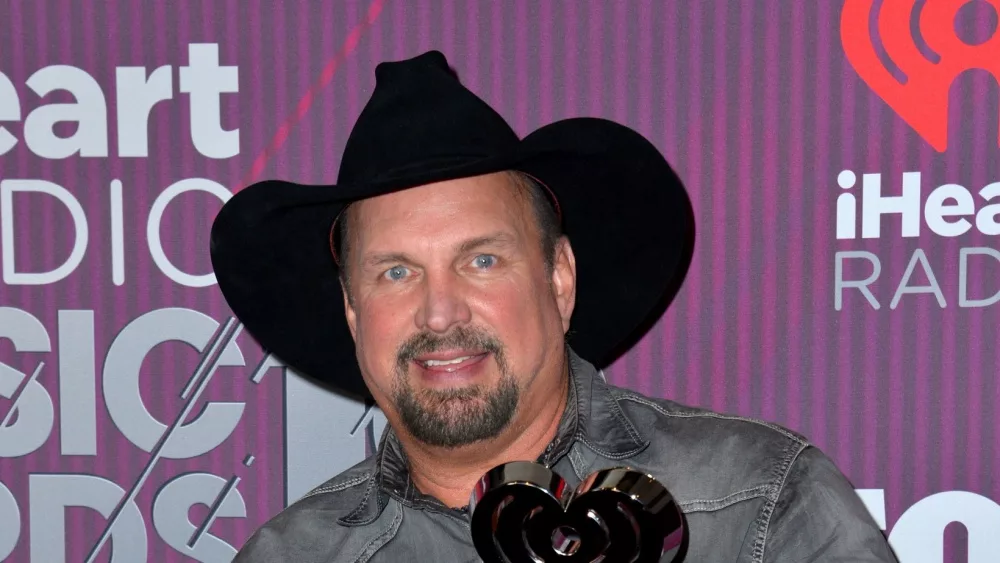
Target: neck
x=450, y=474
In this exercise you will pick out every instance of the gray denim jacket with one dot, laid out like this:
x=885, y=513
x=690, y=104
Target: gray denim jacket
x=751, y=492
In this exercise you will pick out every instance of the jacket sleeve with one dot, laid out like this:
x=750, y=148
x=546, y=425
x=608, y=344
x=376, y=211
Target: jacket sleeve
x=819, y=518
x=264, y=546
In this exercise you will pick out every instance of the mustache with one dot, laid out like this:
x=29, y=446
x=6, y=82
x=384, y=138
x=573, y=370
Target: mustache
x=461, y=337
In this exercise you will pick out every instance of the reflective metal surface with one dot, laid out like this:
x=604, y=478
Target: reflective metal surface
x=522, y=512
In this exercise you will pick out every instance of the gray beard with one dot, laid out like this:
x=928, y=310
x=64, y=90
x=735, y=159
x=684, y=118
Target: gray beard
x=455, y=417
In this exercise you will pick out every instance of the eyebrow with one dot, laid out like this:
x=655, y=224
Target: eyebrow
x=383, y=258
x=494, y=239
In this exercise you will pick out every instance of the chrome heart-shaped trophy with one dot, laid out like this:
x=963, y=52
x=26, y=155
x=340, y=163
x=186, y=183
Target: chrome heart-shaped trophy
x=523, y=512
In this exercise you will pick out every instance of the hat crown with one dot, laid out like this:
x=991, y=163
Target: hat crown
x=420, y=115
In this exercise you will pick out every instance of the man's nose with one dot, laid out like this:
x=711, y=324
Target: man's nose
x=444, y=304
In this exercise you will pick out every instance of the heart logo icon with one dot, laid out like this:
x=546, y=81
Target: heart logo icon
x=922, y=98
x=523, y=512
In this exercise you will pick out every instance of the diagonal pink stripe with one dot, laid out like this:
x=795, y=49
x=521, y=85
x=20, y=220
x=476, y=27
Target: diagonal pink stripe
x=307, y=99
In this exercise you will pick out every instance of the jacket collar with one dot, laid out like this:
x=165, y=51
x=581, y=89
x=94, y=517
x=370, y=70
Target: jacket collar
x=592, y=416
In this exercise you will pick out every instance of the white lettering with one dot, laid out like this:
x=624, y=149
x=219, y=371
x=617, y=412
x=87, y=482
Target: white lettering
x=936, y=209
x=156, y=216
x=874, y=501
x=10, y=110
x=136, y=94
x=918, y=536
x=932, y=287
x=123, y=397
x=847, y=224
x=173, y=504
x=313, y=451
x=963, y=277
x=986, y=219
x=30, y=402
x=89, y=112
x=10, y=275
x=51, y=495
x=840, y=284
x=945, y=202
x=77, y=388
x=136, y=97
x=117, y=234
x=10, y=522
x=206, y=81
x=875, y=205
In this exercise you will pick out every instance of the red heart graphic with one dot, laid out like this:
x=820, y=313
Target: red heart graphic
x=922, y=101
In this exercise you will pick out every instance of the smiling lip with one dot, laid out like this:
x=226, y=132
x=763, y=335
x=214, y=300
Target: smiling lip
x=449, y=365
x=450, y=360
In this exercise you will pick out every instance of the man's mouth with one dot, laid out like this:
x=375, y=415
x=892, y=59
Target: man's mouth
x=450, y=362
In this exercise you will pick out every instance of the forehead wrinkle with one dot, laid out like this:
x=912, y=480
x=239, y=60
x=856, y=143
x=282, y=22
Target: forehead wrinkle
x=381, y=258
x=500, y=239
x=509, y=208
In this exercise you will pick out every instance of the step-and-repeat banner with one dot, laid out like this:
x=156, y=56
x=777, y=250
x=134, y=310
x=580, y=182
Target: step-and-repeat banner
x=842, y=159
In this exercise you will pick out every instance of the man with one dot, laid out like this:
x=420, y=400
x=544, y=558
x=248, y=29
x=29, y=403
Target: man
x=482, y=277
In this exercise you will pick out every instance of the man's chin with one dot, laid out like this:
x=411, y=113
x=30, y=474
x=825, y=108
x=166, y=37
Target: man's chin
x=457, y=416
x=453, y=413
x=452, y=401
x=456, y=423
x=446, y=436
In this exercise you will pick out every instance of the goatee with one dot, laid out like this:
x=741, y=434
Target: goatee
x=451, y=418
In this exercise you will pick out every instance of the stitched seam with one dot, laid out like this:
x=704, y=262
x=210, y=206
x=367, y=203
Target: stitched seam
x=783, y=470
x=616, y=410
x=661, y=410
x=370, y=548
x=338, y=486
x=381, y=470
x=710, y=505
x=609, y=455
x=576, y=461
x=328, y=489
x=357, y=511
x=574, y=398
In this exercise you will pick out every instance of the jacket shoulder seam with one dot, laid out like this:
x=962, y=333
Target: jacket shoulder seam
x=767, y=511
x=381, y=538
x=628, y=396
x=712, y=505
x=337, y=487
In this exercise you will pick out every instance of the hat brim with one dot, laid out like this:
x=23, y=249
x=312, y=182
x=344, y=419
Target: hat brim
x=624, y=210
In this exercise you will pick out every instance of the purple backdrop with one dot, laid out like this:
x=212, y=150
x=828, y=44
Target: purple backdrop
x=754, y=103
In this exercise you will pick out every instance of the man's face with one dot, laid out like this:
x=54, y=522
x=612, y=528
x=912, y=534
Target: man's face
x=459, y=324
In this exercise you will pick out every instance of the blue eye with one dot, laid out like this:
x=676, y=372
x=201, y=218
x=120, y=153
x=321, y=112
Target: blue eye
x=396, y=273
x=485, y=261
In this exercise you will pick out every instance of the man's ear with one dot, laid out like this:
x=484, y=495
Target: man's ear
x=564, y=280
x=349, y=314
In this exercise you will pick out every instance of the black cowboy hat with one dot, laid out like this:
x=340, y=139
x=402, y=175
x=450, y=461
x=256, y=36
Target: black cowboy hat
x=624, y=210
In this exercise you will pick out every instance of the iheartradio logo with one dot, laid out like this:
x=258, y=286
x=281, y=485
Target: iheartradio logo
x=922, y=99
